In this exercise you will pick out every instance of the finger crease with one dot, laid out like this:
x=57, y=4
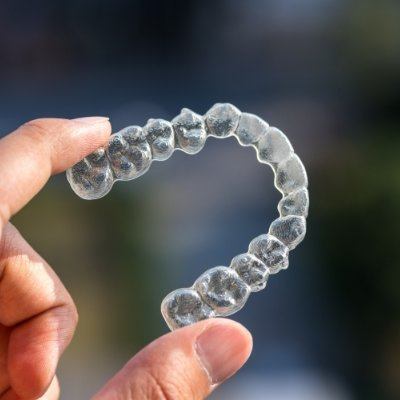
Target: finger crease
x=159, y=387
x=48, y=310
x=4, y=392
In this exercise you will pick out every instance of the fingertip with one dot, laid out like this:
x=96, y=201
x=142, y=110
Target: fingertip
x=222, y=345
x=84, y=135
x=40, y=148
x=63, y=142
x=186, y=363
x=218, y=346
x=224, y=324
x=223, y=348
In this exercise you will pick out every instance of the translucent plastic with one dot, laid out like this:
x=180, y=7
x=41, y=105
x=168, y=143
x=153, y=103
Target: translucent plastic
x=252, y=270
x=295, y=203
x=129, y=153
x=91, y=178
x=219, y=291
x=184, y=307
x=271, y=251
x=250, y=129
x=160, y=135
x=222, y=120
x=274, y=147
x=190, y=131
x=290, y=230
x=291, y=175
x=223, y=290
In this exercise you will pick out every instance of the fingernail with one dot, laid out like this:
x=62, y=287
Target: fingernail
x=92, y=120
x=223, y=349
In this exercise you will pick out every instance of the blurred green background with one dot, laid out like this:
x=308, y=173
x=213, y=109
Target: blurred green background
x=327, y=74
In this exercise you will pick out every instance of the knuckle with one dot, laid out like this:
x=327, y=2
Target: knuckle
x=47, y=134
x=38, y=127
x=42, y=129
x=61, y=324
x=75, y=315
x=71, y=312
x=36, y=132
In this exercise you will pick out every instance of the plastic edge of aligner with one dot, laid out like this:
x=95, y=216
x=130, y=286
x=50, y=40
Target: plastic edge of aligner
x=275, y=167
x=268, y=270
x=216, y=314
x=68, y=174
x=275, y=164
x=103, y=194
x=190, y=153
x=305, y=215
x=177, y=146
x=272, y=271
x=115, y=178
x=232, y=133
x=172, y=327
x=167, y=320
x=164, y=314
x=253, y=144
x=299, y=239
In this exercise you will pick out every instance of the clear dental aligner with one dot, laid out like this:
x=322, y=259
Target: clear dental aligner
x=220, y=291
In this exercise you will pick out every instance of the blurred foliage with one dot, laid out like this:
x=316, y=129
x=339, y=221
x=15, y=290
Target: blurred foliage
x=357, y=197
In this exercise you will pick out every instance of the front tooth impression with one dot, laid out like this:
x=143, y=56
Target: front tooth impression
x=295, y=203
x=250, y=129
x=271, y=251
x=160, y=135
x=290, y=230
x=129, y=153
x=273, y=146
x=190, y=131
x=184, y=307
x=222, y=120
x=223, y=290
x=92, y=177
x=252, y=270
x=291, y=175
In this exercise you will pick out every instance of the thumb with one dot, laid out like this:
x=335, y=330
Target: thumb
x=183, y=365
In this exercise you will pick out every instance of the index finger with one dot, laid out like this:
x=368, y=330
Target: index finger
x=40, y=148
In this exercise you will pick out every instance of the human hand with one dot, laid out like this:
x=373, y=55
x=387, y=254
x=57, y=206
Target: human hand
x=38, y=316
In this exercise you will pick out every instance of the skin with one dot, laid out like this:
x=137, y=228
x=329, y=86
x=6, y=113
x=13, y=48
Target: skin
x=38, y=316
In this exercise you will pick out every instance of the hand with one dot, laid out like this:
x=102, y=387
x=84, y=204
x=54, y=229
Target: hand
x=38, y=316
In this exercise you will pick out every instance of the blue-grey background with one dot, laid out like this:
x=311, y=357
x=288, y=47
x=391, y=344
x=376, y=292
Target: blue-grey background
x=325, y=72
